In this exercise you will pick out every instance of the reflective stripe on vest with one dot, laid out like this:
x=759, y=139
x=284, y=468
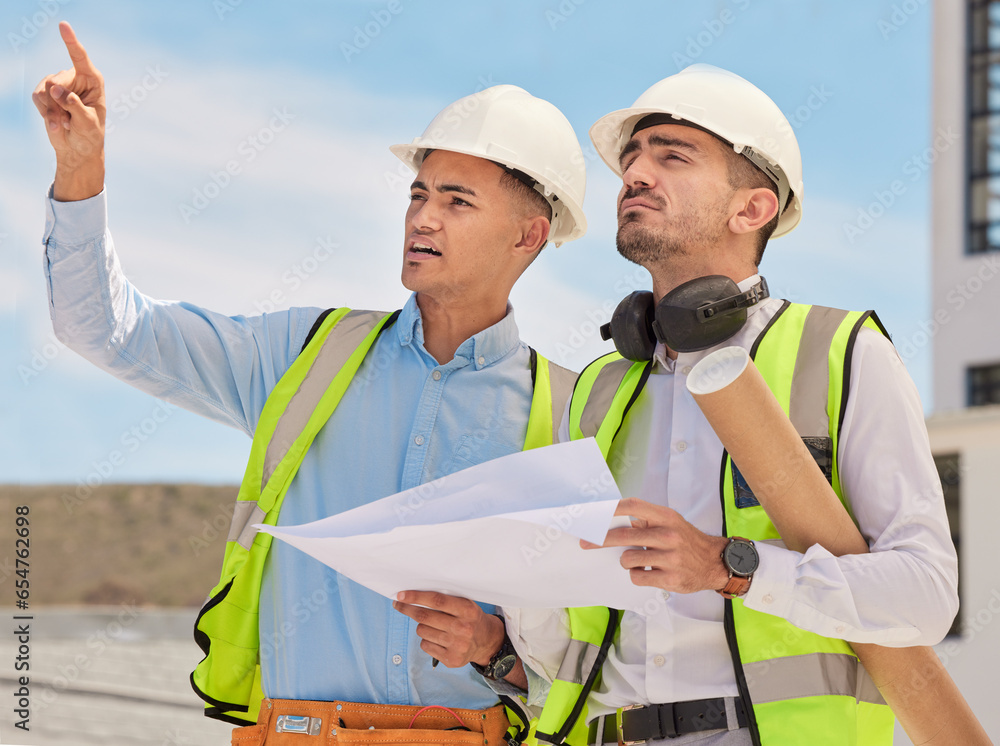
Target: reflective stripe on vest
x=596, y=411
x=321, y=366
x=811, y=675
x=550, y=382
x=302, y=401
x=803, y=688
x=563, y=718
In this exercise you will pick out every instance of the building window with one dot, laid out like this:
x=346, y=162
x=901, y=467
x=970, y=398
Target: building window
x=984, y=126
x=948, y=467
x=983, y=385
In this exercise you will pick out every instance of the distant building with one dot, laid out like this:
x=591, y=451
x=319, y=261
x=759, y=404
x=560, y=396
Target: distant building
x=964, y=326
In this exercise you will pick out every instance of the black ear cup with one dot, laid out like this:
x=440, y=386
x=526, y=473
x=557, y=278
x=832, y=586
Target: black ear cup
x=694, y=315
x=631, y=326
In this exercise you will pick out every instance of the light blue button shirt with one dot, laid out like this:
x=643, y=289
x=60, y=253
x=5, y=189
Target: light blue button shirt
x=404, y=421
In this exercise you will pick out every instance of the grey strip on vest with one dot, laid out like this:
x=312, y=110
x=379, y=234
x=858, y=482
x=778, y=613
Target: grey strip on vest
x=773, y=542
x=578, y=662
x=811, y=379
x=561, y=381
x=866, y=691
x=603, y=392
x=245, y=515
x=811, y=675
x=343, y=340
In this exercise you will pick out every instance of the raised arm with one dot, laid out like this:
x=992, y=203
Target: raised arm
x=73, y=106
x=217, y=366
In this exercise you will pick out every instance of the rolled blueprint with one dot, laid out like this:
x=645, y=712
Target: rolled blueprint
x=777, y=466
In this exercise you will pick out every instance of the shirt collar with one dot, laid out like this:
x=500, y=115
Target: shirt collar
x=482, y=349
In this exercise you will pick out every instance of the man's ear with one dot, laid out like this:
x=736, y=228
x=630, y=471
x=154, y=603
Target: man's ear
x=534, y=234
x=755, y=208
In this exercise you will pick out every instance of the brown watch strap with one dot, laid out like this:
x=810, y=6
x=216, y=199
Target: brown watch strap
x=736, y=586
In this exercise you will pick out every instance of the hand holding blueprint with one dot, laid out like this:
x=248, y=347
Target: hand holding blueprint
x=504, y=532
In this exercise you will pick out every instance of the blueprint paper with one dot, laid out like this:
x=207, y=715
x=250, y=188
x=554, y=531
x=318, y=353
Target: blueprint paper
x=504, y=532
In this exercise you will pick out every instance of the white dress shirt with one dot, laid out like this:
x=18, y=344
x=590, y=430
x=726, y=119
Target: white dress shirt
x=903, y=593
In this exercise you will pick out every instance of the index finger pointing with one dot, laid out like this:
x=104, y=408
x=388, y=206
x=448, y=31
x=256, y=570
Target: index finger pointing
x=81, y=62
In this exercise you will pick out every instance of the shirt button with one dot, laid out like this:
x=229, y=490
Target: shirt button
x=419, y=440
x=841, y=629
x=664, y=595
x=659, y=660
x=436, y=375
x=686, y=369
x=681, y=446
x=481, y=360
x=768, y=598
x=397, y=659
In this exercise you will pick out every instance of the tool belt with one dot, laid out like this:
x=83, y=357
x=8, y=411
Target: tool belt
x=296, y=722
x=640, y=723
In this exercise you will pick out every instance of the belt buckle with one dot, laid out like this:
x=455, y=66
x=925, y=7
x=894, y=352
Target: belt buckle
x=298, y=724
x=621, y=730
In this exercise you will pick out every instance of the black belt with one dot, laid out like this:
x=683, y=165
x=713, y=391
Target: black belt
x=655, y=722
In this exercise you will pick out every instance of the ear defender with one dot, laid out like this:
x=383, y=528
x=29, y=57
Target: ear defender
x=695, y=315
x=631, y=327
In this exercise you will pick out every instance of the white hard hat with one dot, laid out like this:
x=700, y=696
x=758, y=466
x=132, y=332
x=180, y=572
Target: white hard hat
x=509, y=126
x=727, y=106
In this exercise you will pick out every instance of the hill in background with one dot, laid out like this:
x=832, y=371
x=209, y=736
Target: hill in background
x=155, y=544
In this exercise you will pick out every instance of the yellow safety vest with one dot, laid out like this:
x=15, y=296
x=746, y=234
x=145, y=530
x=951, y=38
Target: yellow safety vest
x=799, y=687
x=228, y=678
x=564, y=715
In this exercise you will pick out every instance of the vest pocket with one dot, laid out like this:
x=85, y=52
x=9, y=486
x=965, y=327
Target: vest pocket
x=820, y=448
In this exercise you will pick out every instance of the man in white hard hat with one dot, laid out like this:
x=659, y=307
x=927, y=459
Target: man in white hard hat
x=747, y=642
x=498, y=174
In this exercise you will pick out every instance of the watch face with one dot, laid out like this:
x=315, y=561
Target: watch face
x=741, y=558
x=504, y=666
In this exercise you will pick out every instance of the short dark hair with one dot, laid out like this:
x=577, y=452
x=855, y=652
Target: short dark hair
x=527, y=202
x=744, y=174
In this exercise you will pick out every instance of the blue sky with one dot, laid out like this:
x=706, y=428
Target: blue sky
x=192, y=84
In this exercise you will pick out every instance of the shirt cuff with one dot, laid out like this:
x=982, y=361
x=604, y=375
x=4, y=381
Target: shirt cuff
x=538, y=686
x=502, y=686
x=75, y=223
x=772, y=591
x=771, y=588
x=538, y=689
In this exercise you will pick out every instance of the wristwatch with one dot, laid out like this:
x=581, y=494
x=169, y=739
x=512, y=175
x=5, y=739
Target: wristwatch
x=741, y=560
x=503, y=660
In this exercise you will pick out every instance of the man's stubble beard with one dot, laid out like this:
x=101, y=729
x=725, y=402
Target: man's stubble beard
x=648, y=246
x=643, y=245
